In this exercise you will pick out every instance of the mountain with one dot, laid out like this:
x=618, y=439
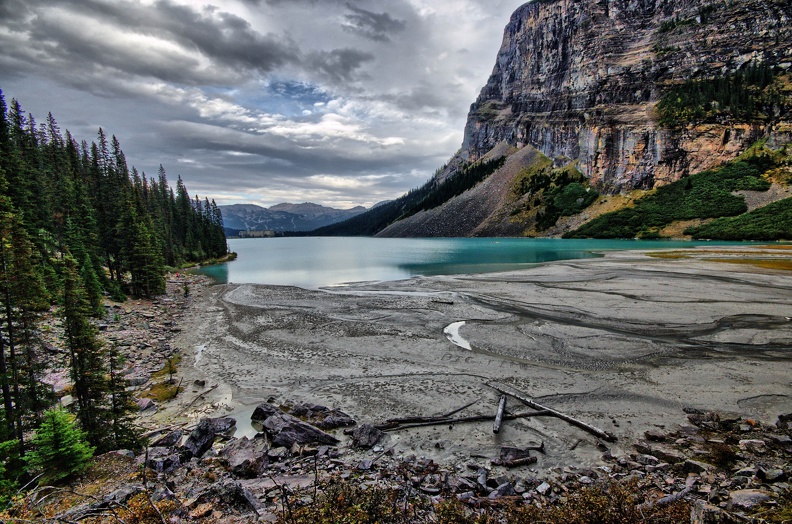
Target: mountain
x=592, y=104
x=283, y=217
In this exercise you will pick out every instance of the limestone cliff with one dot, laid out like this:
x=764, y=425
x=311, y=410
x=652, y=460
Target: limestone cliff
x=578, y=80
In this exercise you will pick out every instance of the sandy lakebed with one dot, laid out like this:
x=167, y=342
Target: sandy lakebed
x=624, y=342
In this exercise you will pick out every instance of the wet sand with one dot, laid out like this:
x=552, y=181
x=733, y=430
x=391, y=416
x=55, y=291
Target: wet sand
x=623, y=342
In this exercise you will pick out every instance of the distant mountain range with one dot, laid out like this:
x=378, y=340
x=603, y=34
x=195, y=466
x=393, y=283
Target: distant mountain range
x=283, y=217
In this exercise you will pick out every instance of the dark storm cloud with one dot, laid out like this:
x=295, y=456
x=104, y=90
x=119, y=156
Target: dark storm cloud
x=338, y=65
x=215, y=34
x=375, y=26
x=259, y=99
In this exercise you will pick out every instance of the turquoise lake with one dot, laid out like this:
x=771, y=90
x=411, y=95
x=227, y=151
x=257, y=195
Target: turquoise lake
x=312, y=262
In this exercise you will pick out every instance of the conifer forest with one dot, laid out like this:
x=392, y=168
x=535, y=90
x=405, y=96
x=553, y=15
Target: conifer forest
x=77, y=224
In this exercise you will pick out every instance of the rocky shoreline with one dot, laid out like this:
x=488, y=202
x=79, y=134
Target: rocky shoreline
x=716, y=464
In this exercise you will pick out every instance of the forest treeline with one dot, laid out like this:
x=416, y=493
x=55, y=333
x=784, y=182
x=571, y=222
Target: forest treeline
x=77, y=224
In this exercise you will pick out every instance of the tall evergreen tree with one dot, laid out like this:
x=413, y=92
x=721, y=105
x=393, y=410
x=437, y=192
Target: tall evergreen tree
x=88, y=372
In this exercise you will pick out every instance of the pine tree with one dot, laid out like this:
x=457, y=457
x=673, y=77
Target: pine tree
x=141, y=253
x=88, y=372
x=93, y=288
x=61, y=447
x=122, y=407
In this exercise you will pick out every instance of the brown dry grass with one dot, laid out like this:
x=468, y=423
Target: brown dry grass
x=781, y=265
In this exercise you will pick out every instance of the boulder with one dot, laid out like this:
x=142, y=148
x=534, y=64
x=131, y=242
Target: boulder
x=163, y=460
x=199, y=441
x=754, y=446
x=246, y=458
x=169, y=439
x=366, y=436
x=784, y=421
x=747, y=498
x=223, y=425
x=286, y=430
x=146, y=404
x=695, y=466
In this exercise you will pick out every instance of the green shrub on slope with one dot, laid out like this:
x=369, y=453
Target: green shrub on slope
x=771, y=222
x=704, y=195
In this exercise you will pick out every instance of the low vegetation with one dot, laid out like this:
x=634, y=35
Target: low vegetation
x=704, y=195
x=771, y=222
x=553, y=192
x=607, y=503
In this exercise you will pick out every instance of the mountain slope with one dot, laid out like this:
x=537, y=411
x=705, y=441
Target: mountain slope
x=615, y=97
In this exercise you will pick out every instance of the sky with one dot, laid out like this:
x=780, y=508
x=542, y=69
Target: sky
x=337, y=102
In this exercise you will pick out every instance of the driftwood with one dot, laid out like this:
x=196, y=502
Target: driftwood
x=434, y=418
x=507, y=390
x=451, y=421
x=499, y=414
x=454, y=412
x=517, y=462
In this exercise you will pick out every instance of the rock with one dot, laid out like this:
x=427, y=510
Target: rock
x=754, y=446
x=285, y=429
x=199, y=383
x=246, y=458
x=202, y=510
x=169, y=439
x=137, y=378
x=237, y=496
x=543, y=488
x=366, y=436
x=223, y=425
x=771, y=474
x=121, y=495
x=163, y=460
x=199, y=441
x=747, y=498
x=784, y=421
x=336, y=419
x=647, y=460
x=654, y=435
x=586, y=480
x=667, y=454
x=504, y=490
x=694, y=466
x=146, y=404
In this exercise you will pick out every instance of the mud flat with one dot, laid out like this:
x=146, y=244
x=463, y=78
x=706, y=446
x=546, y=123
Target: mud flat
x=623, y=342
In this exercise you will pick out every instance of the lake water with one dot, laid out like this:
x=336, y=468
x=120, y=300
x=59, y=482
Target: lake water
x=312, y=262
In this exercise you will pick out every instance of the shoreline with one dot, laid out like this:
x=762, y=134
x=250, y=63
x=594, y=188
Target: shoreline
x=608, y=340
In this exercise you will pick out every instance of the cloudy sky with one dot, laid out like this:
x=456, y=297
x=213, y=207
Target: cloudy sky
x=338, y=102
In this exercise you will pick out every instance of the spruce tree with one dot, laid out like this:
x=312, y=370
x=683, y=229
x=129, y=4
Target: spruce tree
x=87, y=369
x=123, y=434
x=60, y=447
x=93, y=288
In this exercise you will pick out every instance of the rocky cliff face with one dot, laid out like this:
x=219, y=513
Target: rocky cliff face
x=580, y=79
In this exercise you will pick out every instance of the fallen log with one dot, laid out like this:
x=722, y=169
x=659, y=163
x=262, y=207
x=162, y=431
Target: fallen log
x=499, y=415
x=516, y=463
x=433, y=418
x=508, y=390
x=454, y=412
x=451, y=421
